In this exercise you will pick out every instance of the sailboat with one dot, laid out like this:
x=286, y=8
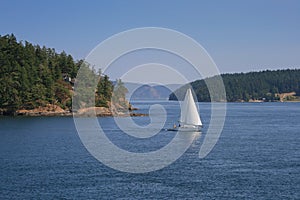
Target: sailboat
x=189, y=118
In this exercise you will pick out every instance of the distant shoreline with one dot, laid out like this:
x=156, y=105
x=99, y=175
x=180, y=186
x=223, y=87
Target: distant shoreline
x=104, y=112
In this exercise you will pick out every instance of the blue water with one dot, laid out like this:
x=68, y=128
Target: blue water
x=256, y=157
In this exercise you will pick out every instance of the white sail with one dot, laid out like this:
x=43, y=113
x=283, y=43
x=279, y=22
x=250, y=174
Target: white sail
x=189, y=111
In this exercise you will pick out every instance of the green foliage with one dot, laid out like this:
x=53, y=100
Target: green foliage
x=85, y=91
x=33, y=76
x=104, y=91
x=119, y=93
x=30, y=76
x=249, y=86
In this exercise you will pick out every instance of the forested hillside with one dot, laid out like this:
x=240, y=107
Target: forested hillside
x=252, y=86
x=32, y=76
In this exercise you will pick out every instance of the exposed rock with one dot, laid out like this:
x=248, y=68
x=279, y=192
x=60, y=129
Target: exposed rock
x=255, y=101
x=131, y=108
x=55, y=110
x=284, y=96
x=105, y=112
x=48, y=110
x=93, y=111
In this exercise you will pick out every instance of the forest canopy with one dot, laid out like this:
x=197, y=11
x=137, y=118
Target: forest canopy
x=32, y=76
x=265, y=86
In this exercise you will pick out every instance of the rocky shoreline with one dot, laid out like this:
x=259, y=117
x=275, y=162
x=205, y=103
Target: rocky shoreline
x=54, y=110
x=106, y=112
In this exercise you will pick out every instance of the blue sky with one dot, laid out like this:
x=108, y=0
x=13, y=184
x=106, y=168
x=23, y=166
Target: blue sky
x=239, y=35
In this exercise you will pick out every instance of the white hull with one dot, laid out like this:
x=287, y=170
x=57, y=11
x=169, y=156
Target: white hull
x=186, y=129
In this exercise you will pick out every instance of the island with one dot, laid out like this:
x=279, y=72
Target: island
x=38, y=81
x=263, y=86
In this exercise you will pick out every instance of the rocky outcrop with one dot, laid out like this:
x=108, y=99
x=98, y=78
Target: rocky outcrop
x=92, y=111
x=48, y=110
x=105, y=112
x=286, y=96
x=54, y=110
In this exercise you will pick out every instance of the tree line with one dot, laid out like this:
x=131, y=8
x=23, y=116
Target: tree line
x=32, y=76
x=263, y=85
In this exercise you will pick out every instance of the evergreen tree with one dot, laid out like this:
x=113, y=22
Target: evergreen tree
x=265, y=85
x=32, y=76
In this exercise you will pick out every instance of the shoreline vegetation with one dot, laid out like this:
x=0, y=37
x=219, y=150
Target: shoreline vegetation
x=38, y=81
x=263, y=86
x=53, y=110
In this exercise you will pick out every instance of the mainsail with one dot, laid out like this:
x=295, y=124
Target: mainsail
x=189, y=111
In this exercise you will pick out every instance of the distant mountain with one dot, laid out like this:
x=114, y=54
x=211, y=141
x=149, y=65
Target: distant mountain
x=279, y=85
x=149, y=92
